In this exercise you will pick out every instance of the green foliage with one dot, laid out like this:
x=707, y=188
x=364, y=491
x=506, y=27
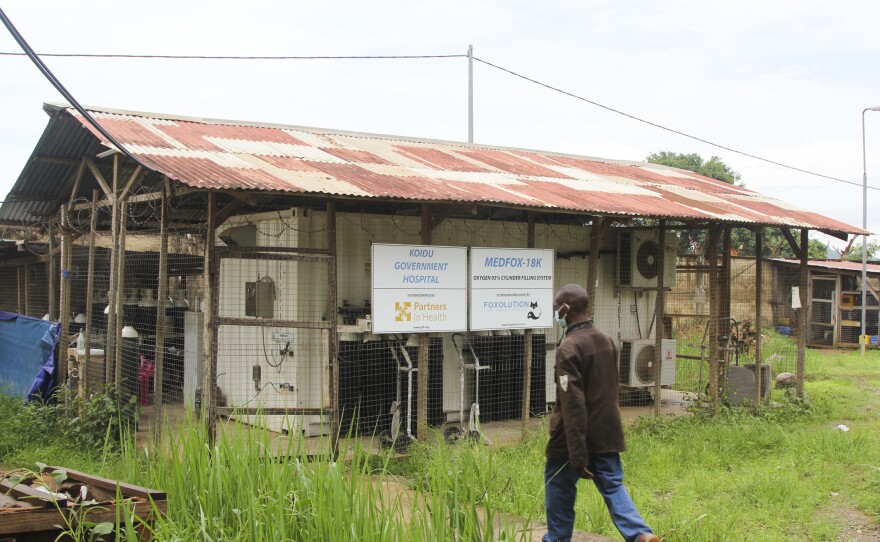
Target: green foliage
x=855, y=252
x=91, y=424
x=772, y=473
x=713, y=167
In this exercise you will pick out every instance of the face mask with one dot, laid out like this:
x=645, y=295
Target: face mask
x=560, y=319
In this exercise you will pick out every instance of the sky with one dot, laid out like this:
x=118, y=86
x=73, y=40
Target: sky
x=784, y=80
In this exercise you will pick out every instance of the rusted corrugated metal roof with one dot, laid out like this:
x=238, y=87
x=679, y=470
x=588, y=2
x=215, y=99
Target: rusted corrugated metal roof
x=236, y=155
x=834, y=265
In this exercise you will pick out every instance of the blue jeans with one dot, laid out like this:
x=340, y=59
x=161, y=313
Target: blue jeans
x=560, y=488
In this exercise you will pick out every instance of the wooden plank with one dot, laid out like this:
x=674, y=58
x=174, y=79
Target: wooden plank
x=99, y=177
x=131, y=181
x=77, y=181
x=271, y=411
x=528, y=354
x=127, y=490
x=273, y=322
x=332, y=320
x=660, y=304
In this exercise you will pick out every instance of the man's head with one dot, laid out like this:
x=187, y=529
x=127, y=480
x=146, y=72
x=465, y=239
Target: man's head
x=571, y=302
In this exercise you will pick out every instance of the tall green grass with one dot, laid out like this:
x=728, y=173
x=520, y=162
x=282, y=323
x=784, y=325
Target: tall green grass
x=769, y=474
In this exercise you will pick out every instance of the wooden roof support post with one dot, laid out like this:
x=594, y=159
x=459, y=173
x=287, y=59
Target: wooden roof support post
x=597, y=233
x=64, y=276
x=759, y=294
x=112, y=297
x=333, y=346
x=528, y=355
x=725, y=283
x=161, y=318
x=660, y=304
x=90, y=291
x=209, y=376
x=424, y=343
x=712, y=263
x=120, y=291
x=53, y=277
x=804, y=316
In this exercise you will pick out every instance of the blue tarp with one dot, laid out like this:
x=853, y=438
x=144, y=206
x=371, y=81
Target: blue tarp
x=27, y=355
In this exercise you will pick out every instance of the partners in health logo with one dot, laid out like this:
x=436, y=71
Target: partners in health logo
x=402, y=311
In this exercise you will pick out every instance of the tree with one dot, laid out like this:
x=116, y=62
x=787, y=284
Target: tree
x=713, y=167
x=742, y=240
x=854, y=251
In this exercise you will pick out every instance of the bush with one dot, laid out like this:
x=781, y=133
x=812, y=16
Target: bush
x=90, y=423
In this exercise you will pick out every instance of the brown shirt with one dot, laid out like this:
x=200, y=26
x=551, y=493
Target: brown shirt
x=586, y=418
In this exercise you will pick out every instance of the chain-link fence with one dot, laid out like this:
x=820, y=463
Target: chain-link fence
x=288, y=336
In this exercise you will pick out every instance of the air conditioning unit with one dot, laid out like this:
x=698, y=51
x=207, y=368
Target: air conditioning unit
x=638, y=259
x=636, y=365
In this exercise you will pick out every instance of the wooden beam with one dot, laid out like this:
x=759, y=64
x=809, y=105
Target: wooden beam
x=714, y=365
x=80, y=172
x=99, y=177
x=227, y=211
x=332, y=318
x=792, y=243
x=803, y=314
x=53, y=278
x=529, y=353
x=597, y=233
x=659, y=305
x=90, y=291
x=759, y=294
x=161, y=319
x=424, y=343
x=209, y=382
x=120, y=291
x=131, y=181
x=64, y=278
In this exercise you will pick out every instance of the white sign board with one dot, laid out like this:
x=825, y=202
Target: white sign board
x=419, y=289
x=511, y=288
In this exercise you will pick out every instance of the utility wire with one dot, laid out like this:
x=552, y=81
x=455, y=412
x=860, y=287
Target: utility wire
x=660, y=126
x=60, y=88
x=237, y=57
x=48, y=74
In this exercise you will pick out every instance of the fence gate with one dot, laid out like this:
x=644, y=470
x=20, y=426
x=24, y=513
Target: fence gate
x=823, y=311
x=275, y=338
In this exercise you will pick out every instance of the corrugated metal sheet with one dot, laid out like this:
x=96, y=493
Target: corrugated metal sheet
x=236, y=155
x=834, y=265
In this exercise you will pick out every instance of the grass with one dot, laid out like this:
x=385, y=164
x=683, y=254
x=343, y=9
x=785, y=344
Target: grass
x=769, y=474
x=779, y=351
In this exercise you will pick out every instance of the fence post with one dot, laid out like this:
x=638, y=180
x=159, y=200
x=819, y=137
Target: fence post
x=759, y=290
x=209, y=381
x=528, y=353
x=713, y=298
x=803, y=320
x=333, y=353
x=424, y=343
x=66, y=260
x=161, y=317
x=658, y=315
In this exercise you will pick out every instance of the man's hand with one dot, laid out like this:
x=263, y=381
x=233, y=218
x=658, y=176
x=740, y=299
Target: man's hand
x=586, y=474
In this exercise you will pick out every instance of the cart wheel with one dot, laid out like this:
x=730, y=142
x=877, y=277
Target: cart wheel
x=452, y=433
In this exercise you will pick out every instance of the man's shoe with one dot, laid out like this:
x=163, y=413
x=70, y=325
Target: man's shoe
x=649, y=537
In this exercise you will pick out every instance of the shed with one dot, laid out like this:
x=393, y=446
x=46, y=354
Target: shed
x=835, y=300
x=250, y=288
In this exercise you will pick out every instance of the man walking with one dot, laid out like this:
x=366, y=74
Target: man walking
x=586, y=432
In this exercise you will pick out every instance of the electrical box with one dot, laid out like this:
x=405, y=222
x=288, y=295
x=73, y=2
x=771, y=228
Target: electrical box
x=259, y=299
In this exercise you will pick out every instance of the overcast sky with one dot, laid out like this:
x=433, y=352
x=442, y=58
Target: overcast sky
x=786, y=80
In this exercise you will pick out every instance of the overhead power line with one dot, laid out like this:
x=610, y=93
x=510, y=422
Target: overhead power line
x=35, y=58
x=237, y=57
x=666, y=128
x=60, y=87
